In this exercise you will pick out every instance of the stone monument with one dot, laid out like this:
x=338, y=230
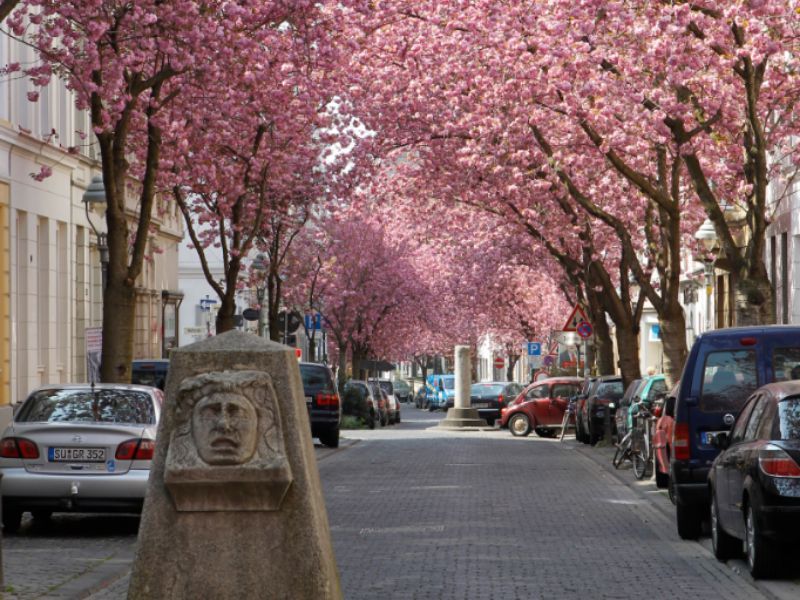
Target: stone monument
x=234, y=507
x=462, y=415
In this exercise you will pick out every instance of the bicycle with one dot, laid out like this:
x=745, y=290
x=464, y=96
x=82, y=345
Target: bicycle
x=625, y=445
x=641, y=443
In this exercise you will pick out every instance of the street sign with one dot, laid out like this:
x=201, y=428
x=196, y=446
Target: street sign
x=499, y=363
x=313, y=321
x=295, y=320
x=534, y=348
x=584, y=329
x=576, y=316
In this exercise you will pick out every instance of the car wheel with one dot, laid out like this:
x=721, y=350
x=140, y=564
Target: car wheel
x=690, y=521
x=519, y=425
x=545, y=432
x=371, y=420
x=662, y=480
x=671, y=491
x=12, y=519
x=761, y=555
x=330, y=438
x=725, y=546
x=490, y=422
x=594, y=436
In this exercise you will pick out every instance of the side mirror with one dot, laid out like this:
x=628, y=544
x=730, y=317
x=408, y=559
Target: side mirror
x=721, y=441
x=669, y=406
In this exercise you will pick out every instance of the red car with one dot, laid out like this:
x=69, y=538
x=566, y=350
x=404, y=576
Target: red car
x=540, y=407
x=662, y=440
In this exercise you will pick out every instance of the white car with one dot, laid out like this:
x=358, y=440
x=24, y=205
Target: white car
x=78, y=448
x=394, y=404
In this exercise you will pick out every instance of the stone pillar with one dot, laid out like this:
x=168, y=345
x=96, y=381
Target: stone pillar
x=462, y=415
x=234, y=506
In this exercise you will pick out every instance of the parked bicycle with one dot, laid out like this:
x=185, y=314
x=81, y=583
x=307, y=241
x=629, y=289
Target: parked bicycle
x=624, y=447
x=642, y=442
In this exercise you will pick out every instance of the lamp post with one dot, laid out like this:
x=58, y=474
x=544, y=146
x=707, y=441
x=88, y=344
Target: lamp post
x=96, y=193
x=259, y=269
x=707, y=236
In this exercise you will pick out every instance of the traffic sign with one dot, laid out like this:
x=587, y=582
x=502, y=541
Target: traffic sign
x=499, y=363
x=576, y=316
x=534, y=348
x=251, y=314
x=584, y=329
x=313, y=321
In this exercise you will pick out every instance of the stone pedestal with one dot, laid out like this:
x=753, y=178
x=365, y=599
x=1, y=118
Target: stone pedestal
x=462, y=415
x=234, y=507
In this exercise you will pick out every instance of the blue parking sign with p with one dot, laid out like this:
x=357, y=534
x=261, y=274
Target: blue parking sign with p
x=534, y=348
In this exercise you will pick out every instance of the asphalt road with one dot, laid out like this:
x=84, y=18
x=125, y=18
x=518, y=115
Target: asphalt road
x=417, y=513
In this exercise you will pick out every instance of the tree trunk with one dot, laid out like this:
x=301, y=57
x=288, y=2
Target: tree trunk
x=672, y=322
x=754, y=300
x=628, y=347
x=603, y=344
x=512, y=362
x=225, y=314
x=119, y=319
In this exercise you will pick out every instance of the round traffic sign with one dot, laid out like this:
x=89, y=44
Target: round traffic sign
x=499, y=363
x=584, y=329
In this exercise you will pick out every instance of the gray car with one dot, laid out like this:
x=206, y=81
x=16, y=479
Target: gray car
x=78, y=448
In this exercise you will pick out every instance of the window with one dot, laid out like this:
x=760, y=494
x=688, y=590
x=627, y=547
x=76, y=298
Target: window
x=729, y=377
x=540, y=391
x=738, y=429
x=564, y=390
x=659, y=387
x=786, y=362
x=789, y=418
x=88, y=406
x=610, y=389
x=755, y=418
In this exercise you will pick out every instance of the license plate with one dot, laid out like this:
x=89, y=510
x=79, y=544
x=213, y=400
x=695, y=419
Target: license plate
x=480, y=405
x=76, y=454
x=707, y=437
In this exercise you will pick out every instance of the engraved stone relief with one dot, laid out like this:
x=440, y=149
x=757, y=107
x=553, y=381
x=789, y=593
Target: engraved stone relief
x=227, y=450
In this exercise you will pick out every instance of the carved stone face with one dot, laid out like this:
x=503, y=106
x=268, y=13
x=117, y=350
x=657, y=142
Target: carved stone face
x=224, y=428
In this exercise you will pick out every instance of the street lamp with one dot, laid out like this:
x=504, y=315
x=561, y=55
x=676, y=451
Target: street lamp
x=96, y=193
x=707, y=236
x=259, y=269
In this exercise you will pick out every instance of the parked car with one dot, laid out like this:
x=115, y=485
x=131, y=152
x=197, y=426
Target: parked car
x=755, y=480
x=605, y=395
x=540, y=407
x=78, y=448
x=402, y=390
x=383, y=402
x=580, y=406
x=662, y=441
x=724, y=368
x=150, y=371
x=490, y=397
x=375, y=404
x=357, y=402
x=622, y=416
x=393, y=403
x=322, y=401
x=648, y=391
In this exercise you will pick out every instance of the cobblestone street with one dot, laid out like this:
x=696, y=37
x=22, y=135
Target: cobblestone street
x=416, y=513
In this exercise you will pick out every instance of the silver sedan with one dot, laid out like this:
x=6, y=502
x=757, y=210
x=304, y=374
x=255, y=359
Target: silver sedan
x=78, y=448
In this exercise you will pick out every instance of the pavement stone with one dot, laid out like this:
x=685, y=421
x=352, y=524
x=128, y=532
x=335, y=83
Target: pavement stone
x=421, y=513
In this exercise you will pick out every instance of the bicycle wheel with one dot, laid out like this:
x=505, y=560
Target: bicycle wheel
x=641, y=464
x=618, y=457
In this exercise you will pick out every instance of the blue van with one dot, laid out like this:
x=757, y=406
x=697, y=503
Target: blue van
x=441, y=391
x=724, y=367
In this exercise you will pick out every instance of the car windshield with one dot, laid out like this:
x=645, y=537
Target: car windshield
x=386, y=386
x=487, y=389
x=87, y=406
x=449, y=384
x=729, y=377
x=789, y=418
x=402, y=386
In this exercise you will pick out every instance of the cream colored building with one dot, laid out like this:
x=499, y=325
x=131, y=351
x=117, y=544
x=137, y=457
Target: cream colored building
x=50, y=276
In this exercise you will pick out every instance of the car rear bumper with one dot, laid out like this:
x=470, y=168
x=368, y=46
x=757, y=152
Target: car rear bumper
x=781, y=523
x=489, y=413
x=74, y=491
x=691, y=484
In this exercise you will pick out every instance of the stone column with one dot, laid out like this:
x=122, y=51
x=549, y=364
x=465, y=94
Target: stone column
x=234, y=505
x=462, y=415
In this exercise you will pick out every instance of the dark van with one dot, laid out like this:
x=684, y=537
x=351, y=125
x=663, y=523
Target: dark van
x=150, y=371
x=724, y=367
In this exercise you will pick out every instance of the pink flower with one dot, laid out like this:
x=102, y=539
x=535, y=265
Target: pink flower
x=33, y=96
